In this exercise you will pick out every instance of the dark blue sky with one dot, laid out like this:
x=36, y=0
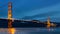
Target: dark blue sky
x=32, y=9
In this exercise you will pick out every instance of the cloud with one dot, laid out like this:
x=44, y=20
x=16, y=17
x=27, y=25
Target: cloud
x=41, y=15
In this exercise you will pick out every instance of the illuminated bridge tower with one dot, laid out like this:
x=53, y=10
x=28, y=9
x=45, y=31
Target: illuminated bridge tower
x=48, y=23
x=9, y=15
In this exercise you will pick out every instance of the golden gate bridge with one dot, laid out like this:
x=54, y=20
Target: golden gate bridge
x=34, y=22
x=11, y=19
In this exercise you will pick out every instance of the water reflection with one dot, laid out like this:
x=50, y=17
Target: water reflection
x=11, y=30
x=29, y=30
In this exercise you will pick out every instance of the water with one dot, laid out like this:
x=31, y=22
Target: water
x=30, y=31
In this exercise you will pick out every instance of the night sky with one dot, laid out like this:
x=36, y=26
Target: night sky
x=32, y=9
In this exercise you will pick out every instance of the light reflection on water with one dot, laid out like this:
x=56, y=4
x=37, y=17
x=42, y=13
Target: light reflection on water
x=11, y=30
x=29, y=30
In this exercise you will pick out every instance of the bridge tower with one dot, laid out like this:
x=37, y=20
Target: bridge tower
x=10, y=20
x=48, y=23
x=9, y=15
x=10, y=10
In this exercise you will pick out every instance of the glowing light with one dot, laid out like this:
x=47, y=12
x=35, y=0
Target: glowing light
x=11, y=30
x=48, y=25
